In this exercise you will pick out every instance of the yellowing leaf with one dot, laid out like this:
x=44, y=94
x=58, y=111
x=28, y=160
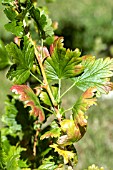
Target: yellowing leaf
x=54, y=133
x=67, y=155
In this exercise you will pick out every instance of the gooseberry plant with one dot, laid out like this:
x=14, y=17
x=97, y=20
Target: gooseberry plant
x=37, y=134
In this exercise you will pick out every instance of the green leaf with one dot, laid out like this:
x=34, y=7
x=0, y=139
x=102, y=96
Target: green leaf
x=10, y=156
x=13, y=157
x=12, y=127
x=15, y=27
x=4, y=58
x=10, y=13
x=47, y=164
x=43, y=22
x=18, y=74
x=96, y=74
x=27, y=95
x=2, y=156
x=7, y=2
x=23, y=61
x=63, y=63
x=45, y=98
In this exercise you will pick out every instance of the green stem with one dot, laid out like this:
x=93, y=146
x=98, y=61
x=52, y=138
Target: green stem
x=67, y=110
x=68, y=89
x=47, y=109
x=59, y=93
x=44, y=74
x=36, y=77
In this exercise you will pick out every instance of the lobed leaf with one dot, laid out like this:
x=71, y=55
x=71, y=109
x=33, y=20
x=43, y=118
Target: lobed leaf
x=79, y=109
x=47, y=164
x=10, y=13
x=15, y=27
x=96, y=74
x=23, y=61
x=67, y=155
x=28, y=96
x=53, y=133
x=63, y=63
x=74, y=129
x=9, y=118
x=44, y=23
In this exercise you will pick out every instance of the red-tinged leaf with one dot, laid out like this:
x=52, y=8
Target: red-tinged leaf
x=73, y=130
x=79, y=109
x=28, y=96
x=44, y=51
x=63, y=63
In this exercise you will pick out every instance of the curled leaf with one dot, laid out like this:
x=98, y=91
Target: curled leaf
x=79, y=109
x=28, y=96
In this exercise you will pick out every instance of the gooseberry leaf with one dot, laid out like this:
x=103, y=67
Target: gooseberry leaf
x=75, y=128
x=15, y=27
x=69, y=132
x=47, y=164
x=53, y=133
x=43, y=22
x=67, y=155
x=28, y=96
x=79, y=109
x=4, y=58
x=9, y=118
x=63, y=63
x=19, y=72
x=10, y=13
x=96, y=74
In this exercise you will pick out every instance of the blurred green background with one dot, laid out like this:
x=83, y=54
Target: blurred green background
x=87, y=25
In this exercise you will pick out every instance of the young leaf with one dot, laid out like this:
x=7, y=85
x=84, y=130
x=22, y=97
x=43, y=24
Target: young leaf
x=28, y=96
x=23, y=61
x=96, y=74
x=63, y=63
x=4, y=58
x=70, y=133
x=67, y=155
x=15, y=27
